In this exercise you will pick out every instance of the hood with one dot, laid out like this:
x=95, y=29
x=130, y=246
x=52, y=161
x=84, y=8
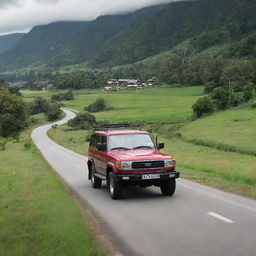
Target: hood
x=138, y=155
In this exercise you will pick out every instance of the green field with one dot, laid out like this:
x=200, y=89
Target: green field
x=231, y=129
x=37, y=215
x=214, y=150
x=163, y=105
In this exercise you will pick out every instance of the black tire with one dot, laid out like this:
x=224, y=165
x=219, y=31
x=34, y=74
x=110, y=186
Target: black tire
x=95, y=181
x=114, y=187
x=168, y=187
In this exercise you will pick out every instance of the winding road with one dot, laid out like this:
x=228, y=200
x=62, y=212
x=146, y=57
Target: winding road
x=196, y=221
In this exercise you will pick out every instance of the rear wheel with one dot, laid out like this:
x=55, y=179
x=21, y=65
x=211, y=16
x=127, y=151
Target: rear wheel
x=115, y=188
x=95, y=181
x=168, y=187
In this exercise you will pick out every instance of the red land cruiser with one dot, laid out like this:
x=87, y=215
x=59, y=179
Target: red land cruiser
x=123, y=156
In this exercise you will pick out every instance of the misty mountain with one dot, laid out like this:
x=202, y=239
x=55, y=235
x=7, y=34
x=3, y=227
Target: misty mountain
x=40, y=44
x=121, y=39
x=8, y=41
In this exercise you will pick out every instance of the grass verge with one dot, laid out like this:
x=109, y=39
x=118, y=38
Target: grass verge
x=37, y=215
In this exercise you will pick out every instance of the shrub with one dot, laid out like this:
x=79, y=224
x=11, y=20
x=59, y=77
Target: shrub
x=99, y=105
x=254, y=104
x=39, y=105
x=53, y=112
x=249, y=91
x=13, y=115
x=3, y=142
x=203, y=105
x=27, y=144
x=221, y=97
x=63, y=96
x=209, y=87
x=83, y=121
x=238, y=99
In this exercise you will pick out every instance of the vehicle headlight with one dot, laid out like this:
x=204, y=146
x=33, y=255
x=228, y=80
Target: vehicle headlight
x=124, y=165
x=168, y=163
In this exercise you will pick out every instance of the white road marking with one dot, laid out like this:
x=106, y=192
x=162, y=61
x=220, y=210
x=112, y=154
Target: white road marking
x=217, y=197
x=220, y=217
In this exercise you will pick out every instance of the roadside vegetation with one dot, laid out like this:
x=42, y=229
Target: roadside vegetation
x=217, y=150
x=37, y=214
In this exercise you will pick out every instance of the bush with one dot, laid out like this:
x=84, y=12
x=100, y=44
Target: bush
x=221, y=97
x=238, y=99
x=83, y=121
x=13, y=115
x=249, y=91
x=209, y=87
x=54, y=112
x=39, y=105
x=99, y=105
x=203, y=105
x=254, y=104
x=63, y=96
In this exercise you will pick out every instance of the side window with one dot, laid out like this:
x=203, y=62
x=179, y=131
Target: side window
x=98, y=139
x=104, y=142
x=93, y=141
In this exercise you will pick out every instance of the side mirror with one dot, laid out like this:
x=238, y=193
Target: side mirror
x=160, y=145
x=100, y=147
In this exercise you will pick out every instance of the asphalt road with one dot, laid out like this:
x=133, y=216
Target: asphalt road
x=196, y=221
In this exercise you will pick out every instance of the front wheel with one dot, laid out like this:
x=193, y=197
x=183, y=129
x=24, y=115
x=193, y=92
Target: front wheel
x=168, y=187
x=95, y=181
x=115, y=188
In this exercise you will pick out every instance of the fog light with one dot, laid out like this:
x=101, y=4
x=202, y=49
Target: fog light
x=172, y=175
x=125, y=178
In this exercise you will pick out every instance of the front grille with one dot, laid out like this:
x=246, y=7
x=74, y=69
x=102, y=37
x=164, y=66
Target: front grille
x=147, y=164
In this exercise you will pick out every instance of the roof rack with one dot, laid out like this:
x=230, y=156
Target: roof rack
x=106, y=127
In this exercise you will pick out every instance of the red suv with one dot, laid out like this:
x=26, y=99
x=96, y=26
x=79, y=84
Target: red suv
x=123, y=156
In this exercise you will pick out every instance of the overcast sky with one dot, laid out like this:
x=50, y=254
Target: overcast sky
x=22, y=15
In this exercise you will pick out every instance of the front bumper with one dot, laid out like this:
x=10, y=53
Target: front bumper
x=138, y=178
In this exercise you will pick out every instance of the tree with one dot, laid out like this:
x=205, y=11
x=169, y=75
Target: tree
x=83, y=121
x=204, y=105
x=39, y=105
x=221, y=97
x=53, y=112
x=13, y=115
x=249, y=91
x=99, y=105
x=14, y=90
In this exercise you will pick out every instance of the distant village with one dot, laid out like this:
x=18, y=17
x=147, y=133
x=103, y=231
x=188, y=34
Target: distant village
x=117, y=84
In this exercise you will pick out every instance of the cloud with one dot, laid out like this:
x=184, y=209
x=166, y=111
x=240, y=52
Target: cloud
x=21, y=15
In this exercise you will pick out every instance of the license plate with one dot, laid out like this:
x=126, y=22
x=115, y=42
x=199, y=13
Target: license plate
x=150, y=176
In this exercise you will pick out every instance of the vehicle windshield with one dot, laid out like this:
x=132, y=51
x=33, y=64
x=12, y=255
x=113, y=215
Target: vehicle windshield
x=130, y=141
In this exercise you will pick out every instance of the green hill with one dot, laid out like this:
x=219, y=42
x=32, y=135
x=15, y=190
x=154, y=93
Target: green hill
x=41, y=43
x=8, y=41
x=196, y=41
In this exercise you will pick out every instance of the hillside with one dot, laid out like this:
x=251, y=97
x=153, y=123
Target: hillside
x=224, y=20
x=8, y=41
x=41, y=43
x=190, y=42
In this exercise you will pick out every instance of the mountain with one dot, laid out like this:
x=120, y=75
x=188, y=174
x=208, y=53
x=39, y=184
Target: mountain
x=7, y=41
x=122, y=39
x=40, y=44
x=177, y=22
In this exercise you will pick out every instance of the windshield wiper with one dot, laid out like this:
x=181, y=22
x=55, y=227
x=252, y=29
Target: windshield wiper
x=119, y=148
x=142, y=147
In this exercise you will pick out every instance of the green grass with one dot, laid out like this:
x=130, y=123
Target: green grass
x=230, y=130
x=37, y=214
x=227, y=170
x=165, y=105
x=71, y=139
